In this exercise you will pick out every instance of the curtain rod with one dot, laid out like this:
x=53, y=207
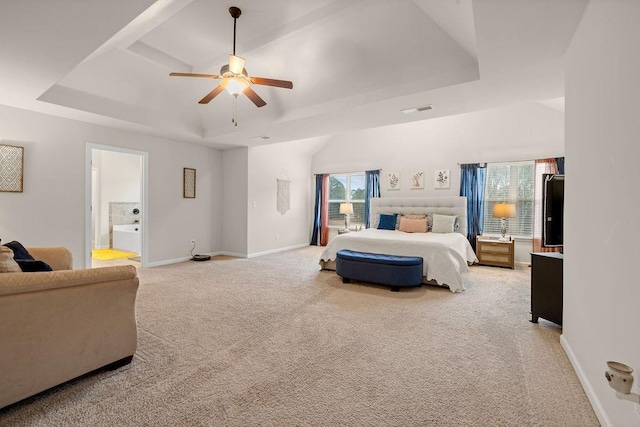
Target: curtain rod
x=346, y=173
x=512, y=161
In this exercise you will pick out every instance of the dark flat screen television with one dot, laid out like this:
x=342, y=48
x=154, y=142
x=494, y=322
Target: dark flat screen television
x=552, y=210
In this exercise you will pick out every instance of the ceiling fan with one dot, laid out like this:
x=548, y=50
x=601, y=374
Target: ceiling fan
x=235, y=77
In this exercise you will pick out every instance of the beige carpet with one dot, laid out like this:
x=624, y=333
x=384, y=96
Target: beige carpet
x=272, y=341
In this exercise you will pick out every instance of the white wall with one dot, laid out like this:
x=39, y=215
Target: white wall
x=518, y=132
x=601, y=279
x=119, y=180
x=235, y=201
x=269, y=230
x=51, y=210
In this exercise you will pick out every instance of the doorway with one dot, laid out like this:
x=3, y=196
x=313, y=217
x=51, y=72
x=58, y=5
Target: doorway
x=116, y=211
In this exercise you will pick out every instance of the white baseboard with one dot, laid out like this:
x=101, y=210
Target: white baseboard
x=586, y=384
x=167, y=262
x=233, y=254
x=182, y=259
x=227, y=253
x=274, y=251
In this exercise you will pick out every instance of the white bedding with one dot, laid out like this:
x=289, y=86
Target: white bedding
x=445, y=255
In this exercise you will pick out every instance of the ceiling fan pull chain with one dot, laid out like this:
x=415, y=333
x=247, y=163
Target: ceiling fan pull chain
x=234, y=119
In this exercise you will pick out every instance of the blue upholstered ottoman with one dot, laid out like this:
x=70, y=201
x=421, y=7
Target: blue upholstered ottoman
x=392, y=270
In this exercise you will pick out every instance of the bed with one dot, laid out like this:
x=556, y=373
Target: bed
x=446, y=255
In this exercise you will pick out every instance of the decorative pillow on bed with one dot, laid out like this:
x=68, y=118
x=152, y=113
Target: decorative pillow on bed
x=443, y=223
x=387, y=222
x=413, y=225
x=415, y=216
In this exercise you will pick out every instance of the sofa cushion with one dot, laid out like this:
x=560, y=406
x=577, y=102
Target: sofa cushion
x=7, y=263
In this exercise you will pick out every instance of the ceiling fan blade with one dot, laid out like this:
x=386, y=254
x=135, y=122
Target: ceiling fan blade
x=272, y=82
x=211, y=95
x=254, y=97
x=206, y=76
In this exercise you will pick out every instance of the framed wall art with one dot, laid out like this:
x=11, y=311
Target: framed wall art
x=188, y=183
x=417, y=180
x=393, y=181
x=11, y=168
x=441, y=179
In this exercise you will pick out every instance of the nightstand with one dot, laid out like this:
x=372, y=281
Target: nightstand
x=495, y=252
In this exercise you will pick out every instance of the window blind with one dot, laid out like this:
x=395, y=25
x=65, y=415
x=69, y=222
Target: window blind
x=510, y=183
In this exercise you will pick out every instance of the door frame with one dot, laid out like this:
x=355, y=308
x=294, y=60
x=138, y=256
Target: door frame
x=144, y=202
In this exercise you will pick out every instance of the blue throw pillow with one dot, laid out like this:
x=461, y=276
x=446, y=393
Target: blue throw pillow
x=19, y=251
x=27, y=263
x=31, y=265
x=387, y=221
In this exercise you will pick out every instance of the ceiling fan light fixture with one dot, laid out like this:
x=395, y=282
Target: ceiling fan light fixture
x=235, y=86
x=236, y=64
x=235, y=78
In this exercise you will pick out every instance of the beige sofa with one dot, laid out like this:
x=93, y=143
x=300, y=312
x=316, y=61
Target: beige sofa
x=58, y=325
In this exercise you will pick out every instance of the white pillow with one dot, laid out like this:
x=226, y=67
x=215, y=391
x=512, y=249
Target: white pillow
x=443, y=223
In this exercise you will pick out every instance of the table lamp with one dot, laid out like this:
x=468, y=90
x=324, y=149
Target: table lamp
x=346, y=209
x=504, y=211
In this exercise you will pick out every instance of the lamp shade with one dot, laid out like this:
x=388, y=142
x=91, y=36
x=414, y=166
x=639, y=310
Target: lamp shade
x=346, y=208
x=504, y=210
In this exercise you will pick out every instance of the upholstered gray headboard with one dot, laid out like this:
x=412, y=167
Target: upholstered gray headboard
x=421, y=205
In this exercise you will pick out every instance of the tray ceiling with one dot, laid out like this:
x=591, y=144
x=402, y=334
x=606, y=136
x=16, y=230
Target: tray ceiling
x=354, y=64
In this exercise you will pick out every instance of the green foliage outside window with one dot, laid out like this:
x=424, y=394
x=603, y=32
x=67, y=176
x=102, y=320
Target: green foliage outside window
x=346, y=188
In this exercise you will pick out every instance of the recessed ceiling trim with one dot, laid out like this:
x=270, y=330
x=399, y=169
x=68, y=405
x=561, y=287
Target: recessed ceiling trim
x=155, y=15
x=159, y=57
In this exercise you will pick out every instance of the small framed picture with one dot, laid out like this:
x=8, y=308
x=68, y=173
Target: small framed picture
x=393, y=181
x=11, y=168
x=188, y=183
x=441, y=179
x=417, y=180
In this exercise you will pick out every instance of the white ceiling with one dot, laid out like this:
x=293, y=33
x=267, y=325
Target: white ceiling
x=354, y=63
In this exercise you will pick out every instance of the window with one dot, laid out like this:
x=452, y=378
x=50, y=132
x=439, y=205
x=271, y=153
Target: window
x=510, y=183
x=348, y=187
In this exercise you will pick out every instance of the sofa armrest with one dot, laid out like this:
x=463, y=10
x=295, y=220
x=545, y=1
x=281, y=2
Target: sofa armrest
x=59, y=325
x=59, y=258
x=17, y=283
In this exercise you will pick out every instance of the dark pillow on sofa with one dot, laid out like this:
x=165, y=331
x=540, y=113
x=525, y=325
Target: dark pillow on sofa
x=19, y=251
x=387, y=221
x=27, y=263
x=31, y=265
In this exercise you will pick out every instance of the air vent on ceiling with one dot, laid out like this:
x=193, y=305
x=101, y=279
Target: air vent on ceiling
x=417, y=109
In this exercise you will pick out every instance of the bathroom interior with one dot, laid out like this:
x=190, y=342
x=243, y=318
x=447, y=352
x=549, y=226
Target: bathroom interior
x=116, y=214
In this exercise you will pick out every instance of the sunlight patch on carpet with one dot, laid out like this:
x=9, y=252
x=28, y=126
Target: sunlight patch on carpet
x=107, y=254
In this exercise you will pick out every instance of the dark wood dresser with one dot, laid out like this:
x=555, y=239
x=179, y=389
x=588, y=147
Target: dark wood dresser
x=546, y=286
